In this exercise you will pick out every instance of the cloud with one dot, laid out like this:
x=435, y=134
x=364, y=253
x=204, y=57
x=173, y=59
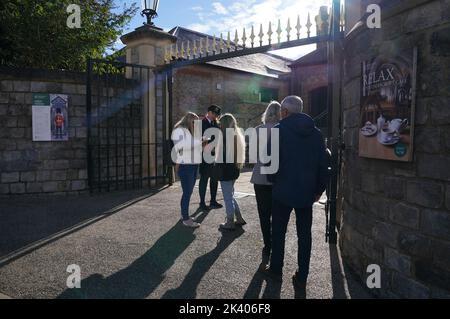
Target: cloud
x=197, y=8
x=219, y=8
x=199, y=27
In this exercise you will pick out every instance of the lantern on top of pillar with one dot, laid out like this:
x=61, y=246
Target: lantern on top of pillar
x=150, y=10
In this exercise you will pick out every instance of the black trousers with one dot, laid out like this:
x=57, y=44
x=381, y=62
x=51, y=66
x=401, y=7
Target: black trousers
x=280, y=220
x=264, y=201
x=205, y=175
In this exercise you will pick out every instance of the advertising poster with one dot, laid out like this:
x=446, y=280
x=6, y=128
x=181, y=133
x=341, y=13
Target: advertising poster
x=388, y=107
x=50, y=117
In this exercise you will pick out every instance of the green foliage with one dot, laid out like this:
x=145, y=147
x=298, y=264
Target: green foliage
x=34, y=33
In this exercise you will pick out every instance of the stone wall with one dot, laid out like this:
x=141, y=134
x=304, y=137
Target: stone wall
x=195, y=89
x=397, y=215
x=41, y=167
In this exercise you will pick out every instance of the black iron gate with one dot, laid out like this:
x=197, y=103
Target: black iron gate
x=125, y=141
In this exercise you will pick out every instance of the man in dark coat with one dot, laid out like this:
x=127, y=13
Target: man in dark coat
x=299, y=183
x=209, y=121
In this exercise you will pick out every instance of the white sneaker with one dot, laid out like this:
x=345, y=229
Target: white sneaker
x=191, y=224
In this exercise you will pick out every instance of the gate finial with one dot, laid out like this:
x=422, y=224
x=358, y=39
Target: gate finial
x=207, y=46
x=298, y=27
x=188, y=50
x=261, y=35
x=269, y=33
x=229, y=41
x=244, y=38
x=252, y=36
x=214, y=45
x=195, y=49
x=308, y=25
x=221, y=44
x=288, y=29
x=236, y=41
x=279, y=31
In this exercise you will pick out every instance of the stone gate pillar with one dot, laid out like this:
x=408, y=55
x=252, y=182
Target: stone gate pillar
x=145, y=46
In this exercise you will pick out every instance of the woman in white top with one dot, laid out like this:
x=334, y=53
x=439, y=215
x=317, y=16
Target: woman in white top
x=187, y=154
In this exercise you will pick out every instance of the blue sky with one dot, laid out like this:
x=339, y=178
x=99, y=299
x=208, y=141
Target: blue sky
x=214, y=17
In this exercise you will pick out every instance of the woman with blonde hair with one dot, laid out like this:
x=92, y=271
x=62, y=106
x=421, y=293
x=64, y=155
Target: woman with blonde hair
x=230, y=158
x=263, y=188
x=187, y=154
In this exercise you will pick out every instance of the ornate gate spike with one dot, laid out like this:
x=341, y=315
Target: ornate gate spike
x=269, y=33
x=221, y=44
x=207, y=46
x=308, y=25
x=200, y=47
x=176, y=51
x=188, y=50
x=182, y=50
x=236, y=41
x=288, y=29
x=228, y=42
x=244, y=38
x=252, y=36
x=170, y=53
x=298, y=27
x=214, y=45
x=279, y=31
x=342, y=20
x=261, y=35
x=195, y=50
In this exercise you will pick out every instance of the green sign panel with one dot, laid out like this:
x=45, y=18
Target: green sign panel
x=41, y=99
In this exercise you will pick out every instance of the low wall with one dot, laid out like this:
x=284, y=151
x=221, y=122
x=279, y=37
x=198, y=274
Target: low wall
x=28, y=167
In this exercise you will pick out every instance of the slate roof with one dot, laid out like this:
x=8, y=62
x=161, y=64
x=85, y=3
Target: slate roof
x=264, y=64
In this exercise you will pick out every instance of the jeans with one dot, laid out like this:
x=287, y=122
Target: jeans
x=280, y=220
x=264, y=201
x=231, y=205
x=204, y=177
x=188, y=177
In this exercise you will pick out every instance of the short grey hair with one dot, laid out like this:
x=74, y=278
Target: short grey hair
x=293, y=104
x=272, y=114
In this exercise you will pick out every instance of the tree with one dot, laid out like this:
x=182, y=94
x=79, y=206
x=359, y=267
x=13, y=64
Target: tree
x=34, y=33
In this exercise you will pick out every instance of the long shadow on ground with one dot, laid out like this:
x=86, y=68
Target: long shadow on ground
x=28, y=220
x=143, y=276
x=188, y=288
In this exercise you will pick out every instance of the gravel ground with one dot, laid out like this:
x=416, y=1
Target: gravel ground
x=131, y=245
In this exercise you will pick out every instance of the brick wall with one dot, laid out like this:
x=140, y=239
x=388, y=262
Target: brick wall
x=195, y=88
x=307, y=79
x=41, y=167
x=397, y=215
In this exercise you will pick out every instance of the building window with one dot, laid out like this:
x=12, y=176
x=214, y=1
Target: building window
x=268, y=95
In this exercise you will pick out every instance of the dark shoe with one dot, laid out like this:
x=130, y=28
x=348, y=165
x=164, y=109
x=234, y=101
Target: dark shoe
x=204, y=208
x=298, y=284
x=267, y=271
x=215, y=205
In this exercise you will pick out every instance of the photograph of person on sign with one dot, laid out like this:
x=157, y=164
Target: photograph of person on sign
x=59, y=117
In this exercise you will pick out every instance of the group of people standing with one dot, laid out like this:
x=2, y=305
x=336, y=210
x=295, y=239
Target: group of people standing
x=300, y=181
x=226, y=171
